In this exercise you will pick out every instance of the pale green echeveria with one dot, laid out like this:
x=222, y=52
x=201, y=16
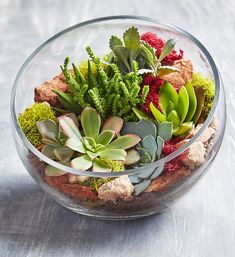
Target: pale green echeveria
x=183, y=109
x=96, y=143
x=149, y=148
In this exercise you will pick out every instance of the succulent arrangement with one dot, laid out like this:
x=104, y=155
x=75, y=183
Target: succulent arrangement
x=118, y=112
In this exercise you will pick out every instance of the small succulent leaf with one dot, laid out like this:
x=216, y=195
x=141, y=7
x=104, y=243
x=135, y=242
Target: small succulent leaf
x=115, y=41
x=63, y=154
x=183, y=129
x=150, y=48
x=105, y=137
x=200, y=95
x=164, y=70
x=149, y=143
x=113, y=154
x=165, y=130
x=90, y=77
x=168, y=46
x=91, y=122
x=113, y=123
x=141, y=115
x=51, y=142
x=48, y=129
x=156, y=113
x=48, y=150
x=69, y=128
x=82, y=163
x=75, y=145
x=142, y=128
x=160, y=143
x=139, y=188
x=132, y=157
x=157, y=172
x=174, y=117
x=99, y=147
x=124, y=142
x=145, y=157
x=183, y=104
x=135, y=179
x=67, y=101
x=192, y=101
x=73, y=117
x=146, y=174
x=89, y=142
x=54, y=172
x=149, y=56
x=170, y=108
x=92, y=155
x=122, y=54
x=78, y=75
x=100, y=166
x=167, y=93
x=132, y=38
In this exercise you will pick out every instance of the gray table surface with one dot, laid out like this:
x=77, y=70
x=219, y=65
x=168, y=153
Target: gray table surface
x=31, y=224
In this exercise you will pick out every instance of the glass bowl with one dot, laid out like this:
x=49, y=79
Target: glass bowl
x=164, y=190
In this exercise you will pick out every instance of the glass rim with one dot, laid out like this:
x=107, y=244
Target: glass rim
x=14, y=116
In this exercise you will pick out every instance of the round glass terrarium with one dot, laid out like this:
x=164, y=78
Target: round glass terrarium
x=162, y=190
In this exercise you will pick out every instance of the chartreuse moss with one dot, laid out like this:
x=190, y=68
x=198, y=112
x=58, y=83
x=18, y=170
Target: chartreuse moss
x=209, y=90
x=29, y=118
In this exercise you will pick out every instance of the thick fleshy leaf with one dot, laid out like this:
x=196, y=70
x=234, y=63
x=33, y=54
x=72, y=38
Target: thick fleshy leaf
x=48, y=150
x=63, y=154
x=48, y=129
x=139, y=188
x=82, y=163
x=142, y=128
x=168, y=46
x=54, y=172
x=92, y=155
x=149, y=143
x=192, y=101
x=73, y=117
x=113, y=123
x=132, y=39
x=105, y=137
x=149, y=56
x=89, y=143
x=145, y=156
x=160, y=144
x=183, y=129
x=100, y=166
x=91, y=122
x=170, y=108
x=132, y=157
x=75, y=145
x=156, y=113
x=167, y=93
x=183, y=104
x=69, y=128
x=165, y=130
x=146, y=174
x=141, y=115
x=174, y=117
x=115, y=41
x=124, y=142
x=200, y=95
x=135, y=179
x=164, y=70
x=157, y=171
x=113, y=154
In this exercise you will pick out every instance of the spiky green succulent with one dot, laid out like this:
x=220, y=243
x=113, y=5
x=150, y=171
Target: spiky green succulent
x=149, y=148
x=131, y=48
x=183, y=109
x=29, y=118
x=96, y=145
x=109, y=93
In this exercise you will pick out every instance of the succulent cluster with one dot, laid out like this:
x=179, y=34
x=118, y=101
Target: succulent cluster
x=183, y=109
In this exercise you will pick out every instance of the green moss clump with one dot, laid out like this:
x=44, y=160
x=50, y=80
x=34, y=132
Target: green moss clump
x=83, y=67
x=115, y=165
x=29, y=118
x=209, y=89
x=95, y=183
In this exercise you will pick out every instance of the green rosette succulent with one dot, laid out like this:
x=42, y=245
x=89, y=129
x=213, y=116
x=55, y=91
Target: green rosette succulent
x=149, y=148
x=96, y=144
x=183, y=109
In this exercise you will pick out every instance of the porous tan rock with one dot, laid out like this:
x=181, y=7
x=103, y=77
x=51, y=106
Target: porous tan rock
x=43, y=93
x=119, y=188
x=168, y=179
x=179, y=78
x=195, y=155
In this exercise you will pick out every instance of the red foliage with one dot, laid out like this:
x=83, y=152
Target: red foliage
x=154, y=86
x=157, y=43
